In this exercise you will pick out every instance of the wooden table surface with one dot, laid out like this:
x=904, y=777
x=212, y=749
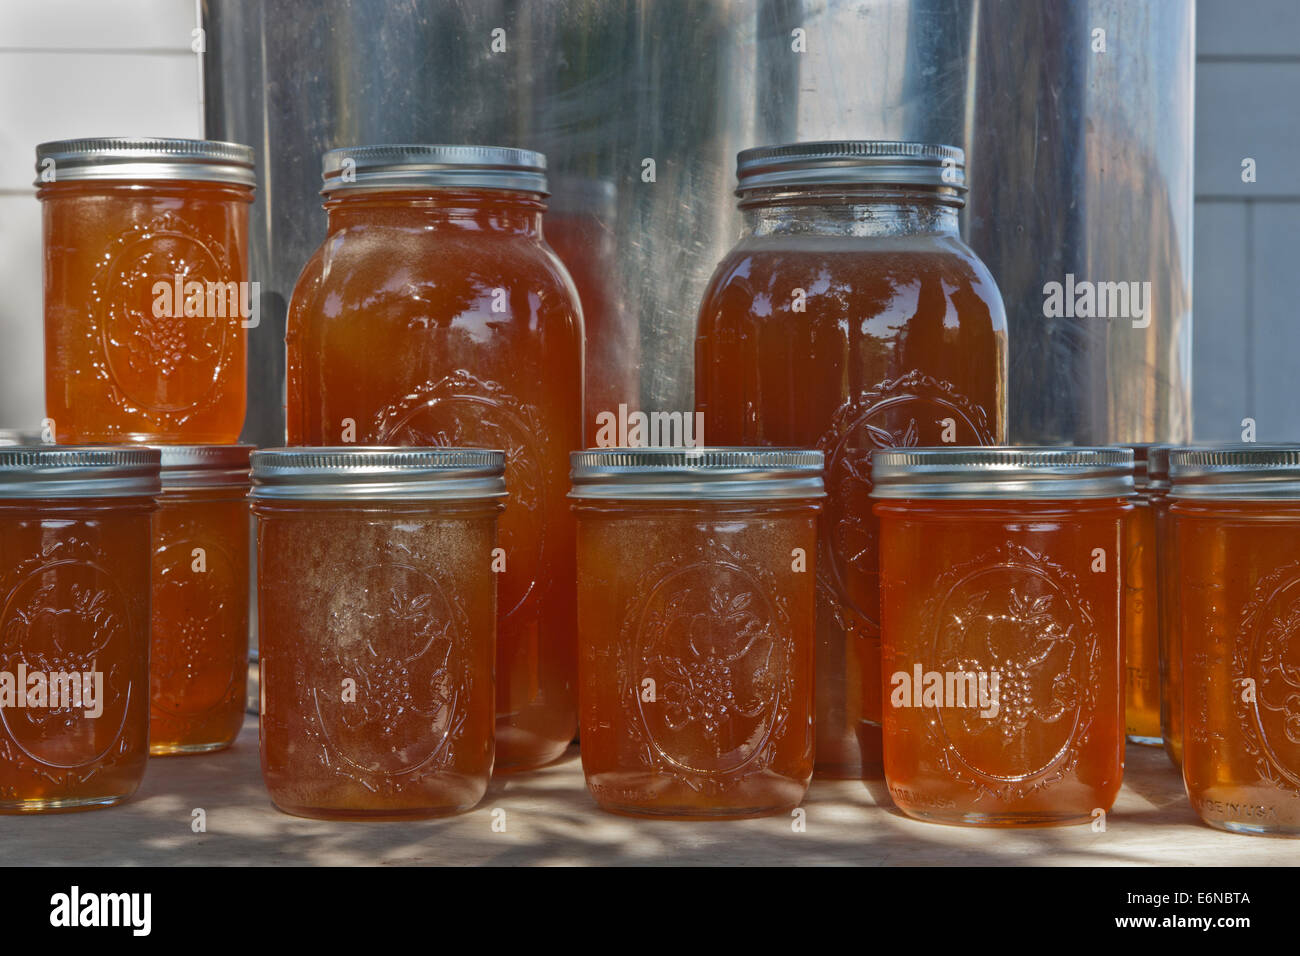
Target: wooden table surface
x=549, y=819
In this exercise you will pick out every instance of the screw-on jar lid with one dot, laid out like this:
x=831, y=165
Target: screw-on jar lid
x=369, y=472
x=434, y=167
x=1033, y=472
x=851, y=163
x=144, y=158
x=697, y=473
x=78, y=471
x=204, y=466
x=1235, y=471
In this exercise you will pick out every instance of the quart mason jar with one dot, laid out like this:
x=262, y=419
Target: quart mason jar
x=695, y=614
x=851, y=317
x=147, y=298
x=376, y=603
x=1237, y=511
x=1001, y=588
x=74, y=624
x=434, y=313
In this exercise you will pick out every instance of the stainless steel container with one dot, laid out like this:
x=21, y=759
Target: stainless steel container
x=1079, y=150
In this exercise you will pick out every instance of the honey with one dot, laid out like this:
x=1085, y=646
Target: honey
x=1237, y=516
x=376, y=628
x=74, y=630
x=199, y=633
x=1142, y=681
x=146, y=288
x=696, y=612
x=1001, y=573
x=434, y=314
x=851, y=317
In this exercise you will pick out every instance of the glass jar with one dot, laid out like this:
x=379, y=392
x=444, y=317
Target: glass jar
x=1237, y=511
x=1142, y=606
x=1171, y=660
x=198, y=664
x=146, y=288
x=376, y=605
x=74, y=629
x=695, y=616
x=1001, y=588
x=435, y=314
x=851, y=317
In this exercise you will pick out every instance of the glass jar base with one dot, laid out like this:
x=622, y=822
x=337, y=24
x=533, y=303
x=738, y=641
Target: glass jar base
x=1017, y=820
x=377, y=816
x=67, y=805
x=694, y=813
x=1254, y=829
x=180, y=750
x=518, y=751
x=1145, y=741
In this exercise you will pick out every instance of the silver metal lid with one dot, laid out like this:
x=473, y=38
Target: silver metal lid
x=1034, y=472
x=852, y=163
x=148, y=158
x=78, y=471
x=437, y=167
x=697, y=473
x=204, y=466
x=371, y=472
x=1235, y=471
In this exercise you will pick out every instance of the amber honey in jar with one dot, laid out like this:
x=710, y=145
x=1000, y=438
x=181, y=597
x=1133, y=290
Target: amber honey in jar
x=199, y=635
x=1237, y=512
x=695, y=612
x=434, y=313
x=1142, y=682
x=376, y=605
x=851, y=317
x=147, y=298
x=74, y=624
x=1170, y=646
x=1001, y=588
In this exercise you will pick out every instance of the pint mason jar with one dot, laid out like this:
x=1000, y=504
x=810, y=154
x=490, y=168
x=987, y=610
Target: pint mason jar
x=199, y=634
x=1237, y=511
x=434, y=313
x=1001, y=593
x=851, y=317
x=376, y=604
x=695, y=615
x=146, y=288
x=74, y=624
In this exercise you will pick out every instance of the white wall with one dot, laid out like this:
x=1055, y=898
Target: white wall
x=74, y=68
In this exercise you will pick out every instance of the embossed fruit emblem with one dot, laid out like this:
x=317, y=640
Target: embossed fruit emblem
x=901, y=413
x=1019, y=615
x=396, y=635
x=1268, y=654
x=461, y=410
x=717, y=644
x=162, y=364
x=198, y=650
x=67, y=617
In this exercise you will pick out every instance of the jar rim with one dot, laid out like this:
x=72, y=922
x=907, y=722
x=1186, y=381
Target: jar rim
x=732, y=473
x=980, y=472
x=376, y=472
x=149, y=158
x=851, y=162
x=78, y=471
x=1240, y=471
x=398, y=166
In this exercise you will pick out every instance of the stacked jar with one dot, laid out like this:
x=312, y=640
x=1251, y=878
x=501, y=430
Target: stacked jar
x=147, y=300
